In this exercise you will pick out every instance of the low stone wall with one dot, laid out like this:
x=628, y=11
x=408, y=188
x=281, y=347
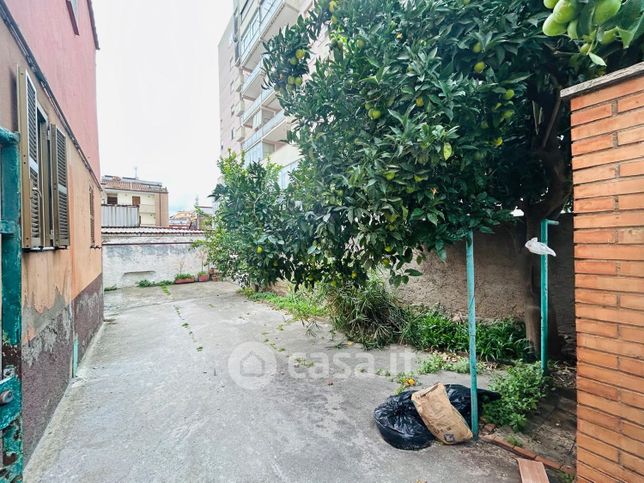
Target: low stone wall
x=132, y=255
x=499, y=284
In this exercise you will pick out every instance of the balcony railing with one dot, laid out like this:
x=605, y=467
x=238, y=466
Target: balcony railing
x=254, y=32
x=264, y=130
x=252, y=109
x=252, y=77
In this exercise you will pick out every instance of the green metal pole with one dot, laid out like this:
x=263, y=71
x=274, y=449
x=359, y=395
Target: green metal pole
x=471, y=317
x=544, y=296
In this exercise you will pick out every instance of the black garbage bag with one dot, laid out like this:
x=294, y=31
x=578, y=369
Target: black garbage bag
x=402, y=427
x=461, y=399
x=400, y=424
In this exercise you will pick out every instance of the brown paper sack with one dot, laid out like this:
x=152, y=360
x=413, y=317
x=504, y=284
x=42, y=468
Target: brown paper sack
x=440, y=417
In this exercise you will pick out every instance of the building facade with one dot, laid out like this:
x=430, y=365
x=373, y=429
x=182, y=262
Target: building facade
x=48, y=98
x=151, y=198
x=252, y=120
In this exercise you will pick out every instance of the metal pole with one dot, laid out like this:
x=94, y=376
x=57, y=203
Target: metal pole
x=471, y=317
x=544, y=296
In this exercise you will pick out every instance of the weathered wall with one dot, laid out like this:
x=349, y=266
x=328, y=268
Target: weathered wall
x=67, y=60
x=128, y=259
x=498, y=282
x=608, y=177
x=62, y=288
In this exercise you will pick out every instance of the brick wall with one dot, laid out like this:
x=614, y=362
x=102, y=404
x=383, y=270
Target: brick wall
x=608, y=176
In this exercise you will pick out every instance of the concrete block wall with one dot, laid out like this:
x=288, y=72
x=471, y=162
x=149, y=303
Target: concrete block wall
x=608, y=176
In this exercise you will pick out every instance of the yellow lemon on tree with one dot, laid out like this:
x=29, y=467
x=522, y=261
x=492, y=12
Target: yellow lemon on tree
x=420, y=102
x=291, y=80
x=354, y=275
x=477, y=48
x=479, y=67
x=374, y=114
x=332, y=6
x=550, y=3
x=293, y=61
x=389, y=175
x=509, y=94
x=609, y=36
x=299, y=54
x=498, y=141
x=298, y=81
x=360, y=43
x=507, y=114
x=259, y=250
x=389, y=249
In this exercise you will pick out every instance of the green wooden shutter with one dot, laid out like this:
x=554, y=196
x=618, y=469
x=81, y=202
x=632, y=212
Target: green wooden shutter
x=32, y=236
x=60, y=188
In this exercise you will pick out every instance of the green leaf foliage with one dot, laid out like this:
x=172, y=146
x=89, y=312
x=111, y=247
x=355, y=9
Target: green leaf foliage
x=426, y=119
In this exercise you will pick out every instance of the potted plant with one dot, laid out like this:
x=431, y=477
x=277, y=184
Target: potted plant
x=203, y=276
x=181, y=278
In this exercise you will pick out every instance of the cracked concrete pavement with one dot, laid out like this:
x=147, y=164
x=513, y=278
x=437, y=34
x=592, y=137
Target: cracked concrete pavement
x=200, y=384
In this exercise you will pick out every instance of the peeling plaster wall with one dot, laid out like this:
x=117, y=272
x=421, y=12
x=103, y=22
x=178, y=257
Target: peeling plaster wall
x=498, y=281
x=62, y=294
x=130, y=259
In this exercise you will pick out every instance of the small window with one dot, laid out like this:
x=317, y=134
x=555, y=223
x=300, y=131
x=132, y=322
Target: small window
x=112, y=200
x=136, y=200
x=72, y=8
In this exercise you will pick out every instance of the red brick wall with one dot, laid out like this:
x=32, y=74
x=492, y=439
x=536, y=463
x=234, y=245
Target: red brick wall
x=608, y=177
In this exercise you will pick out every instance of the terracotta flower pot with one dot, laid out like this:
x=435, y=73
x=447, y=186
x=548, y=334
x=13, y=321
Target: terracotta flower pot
x=180, y=281
x=204, y=277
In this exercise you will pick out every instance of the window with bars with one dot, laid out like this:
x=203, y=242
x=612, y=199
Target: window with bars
x=43, y=149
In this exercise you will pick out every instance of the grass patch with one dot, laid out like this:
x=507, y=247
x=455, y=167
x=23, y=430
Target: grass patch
x=147, y=283
x=302, y=305
x=521, y=389
x=165, y=289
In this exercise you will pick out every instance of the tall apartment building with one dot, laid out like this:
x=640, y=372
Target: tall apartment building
x=251, y=117
x=150, y=197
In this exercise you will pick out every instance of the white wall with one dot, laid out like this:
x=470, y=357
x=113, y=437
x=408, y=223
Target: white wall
x=130, y=259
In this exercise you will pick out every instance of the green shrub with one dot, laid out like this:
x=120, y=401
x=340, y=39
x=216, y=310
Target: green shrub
x=434, y=330
x=501, y=340
x=144, y=283
x=521, y=389
x=370, y=315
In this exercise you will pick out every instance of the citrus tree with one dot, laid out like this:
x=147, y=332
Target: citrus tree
x=244, y=242
x=419, y=121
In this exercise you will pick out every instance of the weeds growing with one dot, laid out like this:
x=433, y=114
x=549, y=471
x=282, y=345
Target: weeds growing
x=521, y=389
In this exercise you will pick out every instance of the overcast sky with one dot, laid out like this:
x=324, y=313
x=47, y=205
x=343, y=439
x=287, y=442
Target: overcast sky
x=158, y=92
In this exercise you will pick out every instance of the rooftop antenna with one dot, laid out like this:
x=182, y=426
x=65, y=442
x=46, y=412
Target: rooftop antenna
x=136, y=172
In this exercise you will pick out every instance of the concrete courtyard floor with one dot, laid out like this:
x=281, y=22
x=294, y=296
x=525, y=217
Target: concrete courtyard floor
x=200, y=384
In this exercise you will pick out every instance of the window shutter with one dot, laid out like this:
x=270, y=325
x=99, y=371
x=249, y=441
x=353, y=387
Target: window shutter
x=92, y=221
x=60, y=185
x=31, y=196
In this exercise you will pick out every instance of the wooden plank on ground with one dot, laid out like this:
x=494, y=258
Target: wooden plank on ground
x=532, y=471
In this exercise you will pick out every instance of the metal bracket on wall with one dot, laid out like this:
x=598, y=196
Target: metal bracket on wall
x=11, y=321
